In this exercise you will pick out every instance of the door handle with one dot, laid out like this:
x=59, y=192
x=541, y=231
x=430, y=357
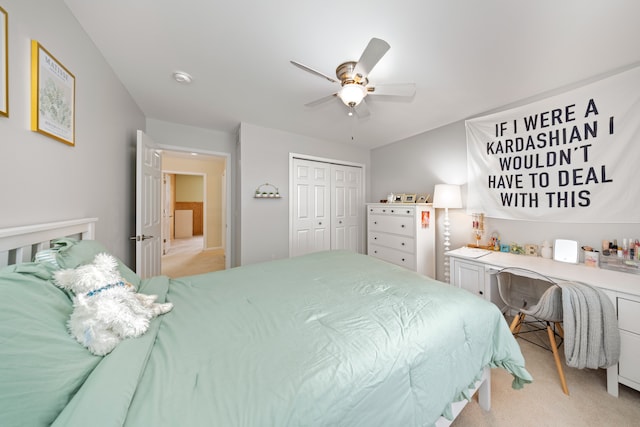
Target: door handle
x=140, y=238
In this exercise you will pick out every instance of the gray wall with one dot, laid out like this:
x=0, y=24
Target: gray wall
x=46, y=180
x=264, y=224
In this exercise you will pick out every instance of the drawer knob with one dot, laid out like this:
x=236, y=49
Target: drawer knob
x=402, y=226
x=319, y=223
x=375, y=222
x=375, y=238
x=402, y=244
x=402, y=259
x=481, y=293
x=340, y=222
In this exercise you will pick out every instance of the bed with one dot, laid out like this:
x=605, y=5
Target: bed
x=326, y=339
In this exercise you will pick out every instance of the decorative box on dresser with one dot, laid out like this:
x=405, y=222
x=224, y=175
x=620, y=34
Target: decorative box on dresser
x=477, y=275
x=403, y=234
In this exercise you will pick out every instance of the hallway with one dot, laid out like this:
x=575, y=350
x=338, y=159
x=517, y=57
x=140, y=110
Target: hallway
x=186, y=257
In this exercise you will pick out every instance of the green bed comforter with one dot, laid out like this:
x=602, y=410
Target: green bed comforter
x=327, y=339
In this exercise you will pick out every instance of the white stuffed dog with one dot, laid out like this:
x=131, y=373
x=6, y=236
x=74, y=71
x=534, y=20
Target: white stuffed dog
x=106, y=309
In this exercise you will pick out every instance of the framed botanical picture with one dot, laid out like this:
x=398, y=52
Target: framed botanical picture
x=53, y=93
x=423, y=198
x=397, y=198
x=4, y=63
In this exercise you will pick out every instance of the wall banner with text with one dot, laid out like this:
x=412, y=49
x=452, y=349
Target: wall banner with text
x=573, y=157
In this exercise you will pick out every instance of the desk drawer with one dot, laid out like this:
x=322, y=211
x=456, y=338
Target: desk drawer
x=629, y=365
x=629, y=315
x=403, y=243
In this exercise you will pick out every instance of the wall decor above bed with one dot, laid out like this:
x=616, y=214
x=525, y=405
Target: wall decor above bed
x=52, y=96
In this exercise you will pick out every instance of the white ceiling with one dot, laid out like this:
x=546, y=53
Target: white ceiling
x=466, y=57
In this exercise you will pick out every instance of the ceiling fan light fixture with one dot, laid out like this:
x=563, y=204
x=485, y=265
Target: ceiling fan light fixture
x=352, y=94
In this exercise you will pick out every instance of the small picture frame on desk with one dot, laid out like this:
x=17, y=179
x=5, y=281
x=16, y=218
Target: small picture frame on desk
x=531, y=250
x=397, y=198
x=408, y=198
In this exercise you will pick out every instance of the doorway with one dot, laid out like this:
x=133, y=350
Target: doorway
x=194, y=210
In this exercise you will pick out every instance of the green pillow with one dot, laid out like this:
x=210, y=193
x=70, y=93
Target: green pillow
x=41, y=364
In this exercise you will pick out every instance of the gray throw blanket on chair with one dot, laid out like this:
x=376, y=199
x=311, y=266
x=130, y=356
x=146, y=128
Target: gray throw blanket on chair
x=591, y=336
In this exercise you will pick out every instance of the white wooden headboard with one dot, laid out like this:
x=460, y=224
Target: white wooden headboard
x=20, y=244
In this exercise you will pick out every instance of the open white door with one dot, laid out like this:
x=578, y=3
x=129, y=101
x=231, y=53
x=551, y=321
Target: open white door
x=148, y=207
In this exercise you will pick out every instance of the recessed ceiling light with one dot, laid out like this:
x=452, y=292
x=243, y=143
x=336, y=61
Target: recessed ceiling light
x=182, y=77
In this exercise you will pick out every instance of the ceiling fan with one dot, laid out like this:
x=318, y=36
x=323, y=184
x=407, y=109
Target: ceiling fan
x=354, y=82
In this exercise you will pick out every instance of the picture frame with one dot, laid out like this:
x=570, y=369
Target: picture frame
x=397, y=198
x=52, y=96
x=4, y=63
x=531, y=249
x=408, y=198
x=423, y=198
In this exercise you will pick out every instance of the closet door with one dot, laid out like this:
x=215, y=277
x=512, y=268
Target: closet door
x=311, y=207
x=346, y=207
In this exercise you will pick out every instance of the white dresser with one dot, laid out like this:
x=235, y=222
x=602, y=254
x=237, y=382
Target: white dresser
x=477, y=275
x=403, y=234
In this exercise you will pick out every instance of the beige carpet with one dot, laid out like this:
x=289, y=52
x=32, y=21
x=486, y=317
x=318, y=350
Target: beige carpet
x=186, y=257
x=544, y=404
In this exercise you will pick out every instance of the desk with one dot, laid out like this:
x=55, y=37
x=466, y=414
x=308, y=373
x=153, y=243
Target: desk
x=475, y=272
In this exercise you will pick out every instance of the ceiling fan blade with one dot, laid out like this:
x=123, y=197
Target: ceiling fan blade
x=374, y=51
x=398, y=89
x=312, y=71
x=321, y=100
x=362, y=110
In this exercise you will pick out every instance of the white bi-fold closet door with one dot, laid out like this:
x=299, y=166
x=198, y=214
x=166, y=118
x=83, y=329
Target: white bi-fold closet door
x=327, y=207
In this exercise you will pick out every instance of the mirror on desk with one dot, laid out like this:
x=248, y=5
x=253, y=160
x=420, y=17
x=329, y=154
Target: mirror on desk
x=565, y=251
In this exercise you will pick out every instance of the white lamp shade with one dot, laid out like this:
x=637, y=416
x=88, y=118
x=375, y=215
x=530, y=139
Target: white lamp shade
x=352, y=94
x=447, y=196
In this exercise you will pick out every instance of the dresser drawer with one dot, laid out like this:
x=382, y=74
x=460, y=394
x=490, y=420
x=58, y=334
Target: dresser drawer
x=393, y=256
x=391, y=210
x=629, y=365
x=629, y=315
x=391, y=224
x=403, y=243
